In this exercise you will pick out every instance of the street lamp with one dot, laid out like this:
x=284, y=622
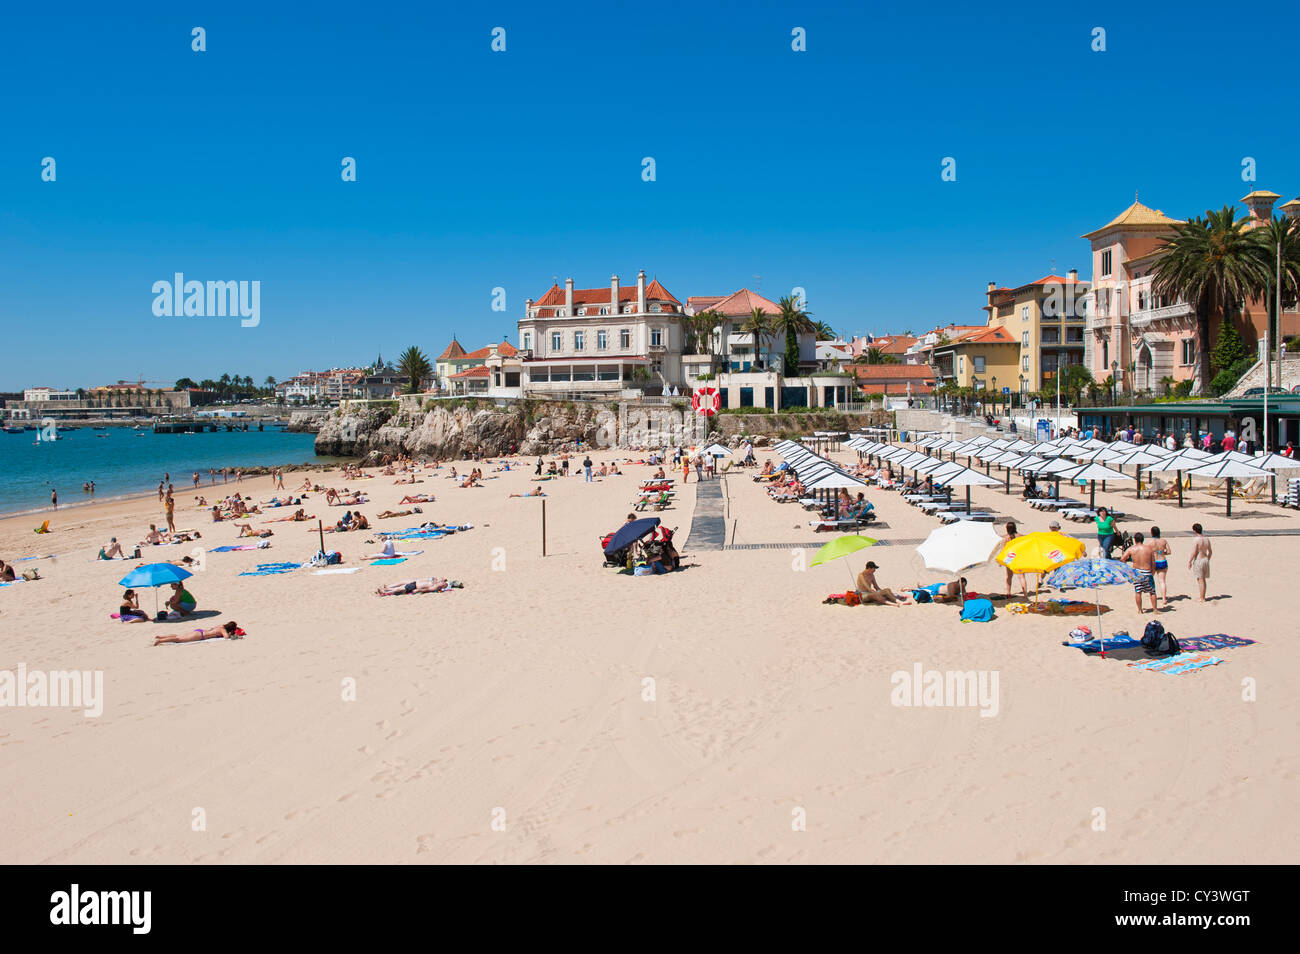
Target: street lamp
x=995, y=389
x=1114, y=369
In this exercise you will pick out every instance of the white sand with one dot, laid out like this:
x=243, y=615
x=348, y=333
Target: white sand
x=522, y=695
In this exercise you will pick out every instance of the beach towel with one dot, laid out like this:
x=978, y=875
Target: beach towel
x=388, y=562
x=243, y=546
x=1112, y=642
x=977, y=611
x=1203, y=644
x=272, y=569
x=1178, y=665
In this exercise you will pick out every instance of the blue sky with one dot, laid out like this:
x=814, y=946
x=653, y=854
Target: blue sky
x=477, y=169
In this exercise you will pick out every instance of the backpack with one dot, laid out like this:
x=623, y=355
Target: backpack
x=1157, y=642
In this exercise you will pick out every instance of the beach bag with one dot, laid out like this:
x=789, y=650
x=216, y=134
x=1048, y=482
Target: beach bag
x=977, y=611
x=30, y=575
x=922, y=596
x=1152, y=635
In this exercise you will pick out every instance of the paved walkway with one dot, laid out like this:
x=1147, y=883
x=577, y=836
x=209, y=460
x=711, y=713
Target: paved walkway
x=708, y=528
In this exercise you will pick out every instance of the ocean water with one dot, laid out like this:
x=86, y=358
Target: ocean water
x=125, y=461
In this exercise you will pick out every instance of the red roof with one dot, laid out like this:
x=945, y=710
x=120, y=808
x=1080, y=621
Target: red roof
x=892, y=344
x=505, y=349
x=479, y=372
x=741, y=303
x=891, y=372
x=600, y=296
x=998, y=335
x=453, y=350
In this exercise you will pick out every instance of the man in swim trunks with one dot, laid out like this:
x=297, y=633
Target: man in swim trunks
x=1142, y=556
x=1199, y=561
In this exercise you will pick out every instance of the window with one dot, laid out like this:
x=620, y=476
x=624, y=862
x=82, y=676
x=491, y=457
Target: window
x=582, y=311
x=528, y=340
x=579, y=340
x=1105, y=264
x=1024, y=363
x=602, y=340
x=627, y=309
x=655, y=309
x=539, y=374
x=625, y=338
x=1024, y=339
x=557, y=342
x=559, y=313
x=978, y=363
x=604, y=311
x=1105, y=353
x=1142, y=301
x=560, y=374
x=1189, y=351
x=656, y=337
x=961, y=364
x=1024, y=312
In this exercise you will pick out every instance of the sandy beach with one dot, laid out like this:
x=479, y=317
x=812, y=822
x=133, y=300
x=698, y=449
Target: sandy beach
x=556, y=711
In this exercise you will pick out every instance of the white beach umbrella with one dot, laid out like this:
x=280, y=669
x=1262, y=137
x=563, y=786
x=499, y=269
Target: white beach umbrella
x=1092, y=473
x=960, y=546
x=1275, y=462
x=1137, y=459
x=834, y=480
x=967, y=478
x=1230, y=470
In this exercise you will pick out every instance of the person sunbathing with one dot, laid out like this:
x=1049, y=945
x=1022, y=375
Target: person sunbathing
x=386, y=552
x=112, y=551
x=417, y=498
x=430, y=585
x=306, y=485
x=407, y=480
x=388, y=514
x=228, y=630
x=614, y=471
x=660, y=475
x=535, y=492
x=246, y=530
x=872, y=592
x=7, y=574
x=296, y=516
x=360, y=522
x=153, y=538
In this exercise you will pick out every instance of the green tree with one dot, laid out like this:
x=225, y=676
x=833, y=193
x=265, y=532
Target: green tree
x=185, y=384
x=1212, y=264
x=1075, y=379
x=791, y=321
x=824, y=331
x=1229, y=349
x=759, y=324
x=704, y=325
x=415, y=365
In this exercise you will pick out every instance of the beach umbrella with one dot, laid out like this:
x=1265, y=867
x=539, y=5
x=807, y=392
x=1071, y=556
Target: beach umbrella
x=154, y=575
x=1094, y=573
x=1093, y=473
x=959, y=546
x=1137, y=458
x=1274, y=462
x=834, y=480
x=1039, y=552
x=968, y=478
x=717, y=450
x=629, y=533
x=1185, y=460
x=842, y=547
x=1230, y=470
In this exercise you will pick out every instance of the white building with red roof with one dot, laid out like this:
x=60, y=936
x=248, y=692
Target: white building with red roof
x=600, y=340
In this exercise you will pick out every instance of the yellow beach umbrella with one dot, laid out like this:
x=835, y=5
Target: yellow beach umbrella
x=1039, y=552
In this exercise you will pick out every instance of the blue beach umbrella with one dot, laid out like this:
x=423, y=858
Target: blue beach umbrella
x=1093, y=573
x=154, y=575
x=629, y=533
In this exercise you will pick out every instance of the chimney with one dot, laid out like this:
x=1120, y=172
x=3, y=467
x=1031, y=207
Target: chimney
x=568, y=296
x=992, y=285
x=640, y=291
x=613, y=294
x=1073, y=274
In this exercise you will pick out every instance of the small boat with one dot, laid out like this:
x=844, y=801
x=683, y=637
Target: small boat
x=98, y=427
x=11, y=429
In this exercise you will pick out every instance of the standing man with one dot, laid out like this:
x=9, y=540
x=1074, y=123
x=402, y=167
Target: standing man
x=54, y=498
x=1142, y=556
x=170, y=505
x=1199, y=561
x=586, y=469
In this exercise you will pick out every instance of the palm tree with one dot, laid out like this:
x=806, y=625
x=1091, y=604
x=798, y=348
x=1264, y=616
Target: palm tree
x=824, y=331
x=1214, y=265
x=875, y=356
x=791, y=322
x=415, y=365
x=704, y=324
x=757, y=323
x=1279, y=246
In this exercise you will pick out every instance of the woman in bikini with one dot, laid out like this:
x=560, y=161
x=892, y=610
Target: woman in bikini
x=129, y=611
x=229, y=630
x=1161, y=550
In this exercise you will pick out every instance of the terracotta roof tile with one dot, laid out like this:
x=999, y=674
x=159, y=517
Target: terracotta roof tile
x=453, y=350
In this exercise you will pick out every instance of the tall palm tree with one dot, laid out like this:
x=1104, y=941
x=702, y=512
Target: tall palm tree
x=757, y=323
x=415, y=365
x=705, y=323
x=790, y=322
x=1279, y=245
x=1213, y=265
x=824, y=331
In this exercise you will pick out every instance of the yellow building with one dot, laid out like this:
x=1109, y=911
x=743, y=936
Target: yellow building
x=1047, y=320
x=986, y=359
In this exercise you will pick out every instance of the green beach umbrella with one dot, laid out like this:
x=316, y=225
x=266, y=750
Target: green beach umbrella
x=841, y=547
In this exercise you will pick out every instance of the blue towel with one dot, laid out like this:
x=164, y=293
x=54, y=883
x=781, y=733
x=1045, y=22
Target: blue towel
x=977, y=611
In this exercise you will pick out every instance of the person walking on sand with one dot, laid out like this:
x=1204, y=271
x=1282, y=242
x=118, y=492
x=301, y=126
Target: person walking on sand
x=1160, y=551
x=1199, y=561
x=1142, y=555
x=54, y=498
x=1105, y=531
x=686, y=469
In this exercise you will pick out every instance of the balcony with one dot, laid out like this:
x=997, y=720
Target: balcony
x=1149, y=316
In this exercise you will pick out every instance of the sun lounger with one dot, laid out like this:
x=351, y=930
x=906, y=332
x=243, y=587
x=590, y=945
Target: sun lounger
x=979, y=516
x=1084, y=513
x=1051, y=503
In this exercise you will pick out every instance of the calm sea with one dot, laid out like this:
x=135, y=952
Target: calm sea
x=122, y=461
